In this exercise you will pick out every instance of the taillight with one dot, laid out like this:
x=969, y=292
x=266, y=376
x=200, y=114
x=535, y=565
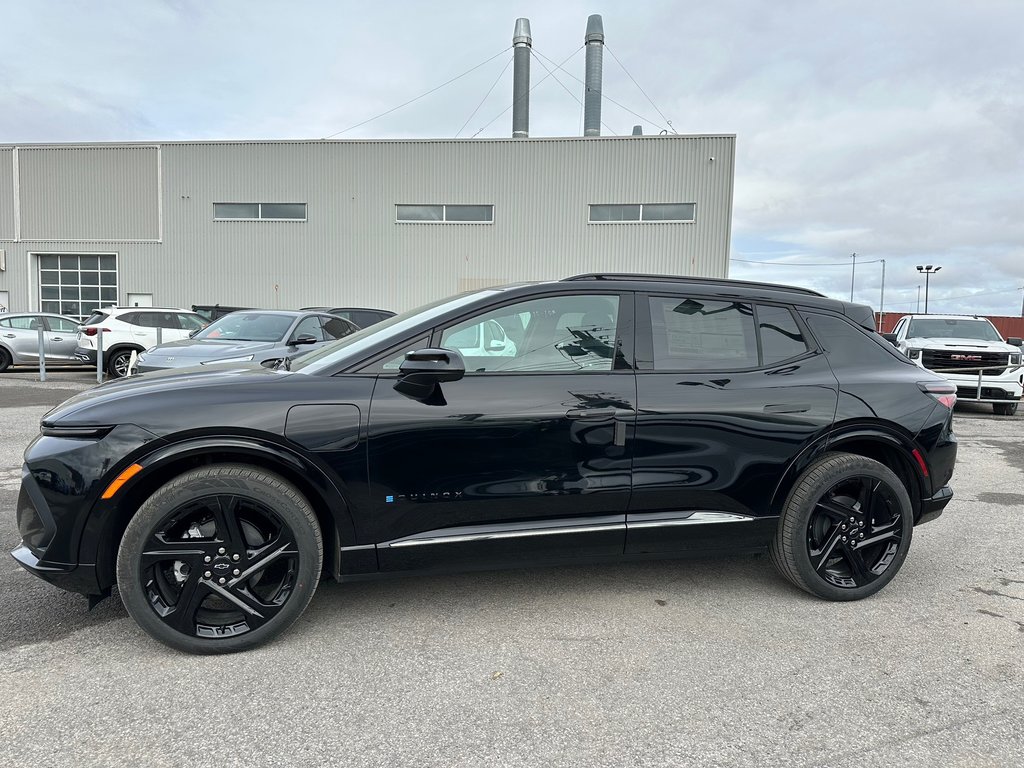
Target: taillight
x=942, y=391
x=93, y=330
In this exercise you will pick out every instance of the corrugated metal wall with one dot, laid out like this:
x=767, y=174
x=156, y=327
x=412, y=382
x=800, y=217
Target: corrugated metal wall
x=89, y=193
x=6, y=193
x=351, y=251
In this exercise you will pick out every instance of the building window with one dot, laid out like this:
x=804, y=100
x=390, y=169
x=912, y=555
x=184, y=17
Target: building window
x=77, y=284
x=445, y=214
x=650, y=212
x=259, y=211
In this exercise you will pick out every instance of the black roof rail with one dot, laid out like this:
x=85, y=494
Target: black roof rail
x=694, y=280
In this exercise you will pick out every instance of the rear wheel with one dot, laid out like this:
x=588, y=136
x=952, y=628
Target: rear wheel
x=117, y=363
x=220, y=559
x=1000, y=409
x=5, y=359
x=846, y=528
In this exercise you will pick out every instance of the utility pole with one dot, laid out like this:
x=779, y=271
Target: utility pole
x=853, y=275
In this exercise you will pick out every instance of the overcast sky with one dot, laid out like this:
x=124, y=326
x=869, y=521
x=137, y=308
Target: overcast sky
x=888, y=128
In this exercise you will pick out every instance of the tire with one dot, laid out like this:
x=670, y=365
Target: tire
x=243, y=522
x=1000, y=409
x=117, y=363
x=824, y=507
x=5, y=359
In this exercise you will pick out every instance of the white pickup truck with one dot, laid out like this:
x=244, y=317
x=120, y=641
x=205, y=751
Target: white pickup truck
x=970, y=352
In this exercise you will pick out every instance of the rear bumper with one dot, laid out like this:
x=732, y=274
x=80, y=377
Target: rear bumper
x=933, y=507
x=85, y=355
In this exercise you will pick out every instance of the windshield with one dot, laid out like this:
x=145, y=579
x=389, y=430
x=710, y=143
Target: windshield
x=248, y=326
x=392, y=328
x=958, y=328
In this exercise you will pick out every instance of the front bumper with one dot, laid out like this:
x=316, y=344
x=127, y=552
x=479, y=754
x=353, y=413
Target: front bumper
x=73, y=578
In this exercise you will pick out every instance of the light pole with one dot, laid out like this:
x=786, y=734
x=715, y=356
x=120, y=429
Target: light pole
x=853, y=274
x=881, y=301
x=927, y=271
x=918, y=300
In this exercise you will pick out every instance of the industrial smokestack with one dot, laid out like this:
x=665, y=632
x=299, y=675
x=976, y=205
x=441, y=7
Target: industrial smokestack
x=522, y=43
x=592, y=96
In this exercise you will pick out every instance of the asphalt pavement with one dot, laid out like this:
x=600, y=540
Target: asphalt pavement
x=672, y=663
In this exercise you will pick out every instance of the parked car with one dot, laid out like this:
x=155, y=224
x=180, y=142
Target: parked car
x=19, y=338
x=213, y=312
x=255, y=335
x=717, y=416
x=970, y=352
x=132, y=329
x=361, y=316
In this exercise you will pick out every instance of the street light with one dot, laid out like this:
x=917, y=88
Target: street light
x=927, y=271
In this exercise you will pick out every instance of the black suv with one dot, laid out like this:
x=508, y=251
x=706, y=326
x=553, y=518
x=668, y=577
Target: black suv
x=599, y=417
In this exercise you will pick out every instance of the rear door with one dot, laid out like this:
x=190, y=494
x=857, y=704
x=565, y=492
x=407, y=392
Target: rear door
x=730, y=392
x=61, y=339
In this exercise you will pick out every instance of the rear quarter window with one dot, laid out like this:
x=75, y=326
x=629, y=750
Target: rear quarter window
x=850, y=345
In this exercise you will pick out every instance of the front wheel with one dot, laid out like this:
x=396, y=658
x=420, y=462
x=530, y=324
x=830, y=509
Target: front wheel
x=1004, y=409
x=220, y=559
x=845, y=529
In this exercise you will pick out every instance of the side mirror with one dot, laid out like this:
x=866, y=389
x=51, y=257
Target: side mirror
x=495, y=345
x=424, y=369
x=890, y=337
x=302, y=340
x=192, y=334
x=1015, y=341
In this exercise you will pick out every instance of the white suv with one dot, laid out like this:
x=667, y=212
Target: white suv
x=132, y=329
x=970, y=352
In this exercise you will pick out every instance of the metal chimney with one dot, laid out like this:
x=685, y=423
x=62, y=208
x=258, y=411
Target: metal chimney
x=522, y=42
x=592, y=95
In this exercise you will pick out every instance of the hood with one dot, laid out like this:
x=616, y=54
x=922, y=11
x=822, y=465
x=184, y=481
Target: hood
x=79, y=409
x=955, y=343
x=207, y=349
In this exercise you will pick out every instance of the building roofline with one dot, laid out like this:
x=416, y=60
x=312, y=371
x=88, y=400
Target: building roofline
x=230, y=142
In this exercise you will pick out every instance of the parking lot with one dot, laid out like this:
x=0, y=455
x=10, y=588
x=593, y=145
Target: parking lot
x=700, y=662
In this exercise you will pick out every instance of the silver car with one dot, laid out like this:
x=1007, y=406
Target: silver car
x=255, y=335
x=19, y=338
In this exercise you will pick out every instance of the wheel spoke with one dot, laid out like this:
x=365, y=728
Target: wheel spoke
x=837, y=511
x=820, y=556
x=256, y=611
x=879, y=537
x=183, y=616
x=859, y=570
x=162, y=551
x=866, y=498
x=225, y=517
x=279, y=546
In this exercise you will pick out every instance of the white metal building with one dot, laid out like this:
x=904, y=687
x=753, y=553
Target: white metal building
x=388, y=224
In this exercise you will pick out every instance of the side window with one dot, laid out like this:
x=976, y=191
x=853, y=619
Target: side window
x=781, y=338
x=560, y=333
x=697, y=334
x=310, y=325
x=392, y=360
x=132, y=318
x=6, y=323
x=61, y=325
x=335, y=328
x=191, y=322
x=23, y=323
x=849, y=345
x=899, y=326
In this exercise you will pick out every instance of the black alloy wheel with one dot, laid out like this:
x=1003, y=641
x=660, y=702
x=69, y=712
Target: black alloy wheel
x=117, y=363
x=5, y=359
x=846, y=528
x=220, y=559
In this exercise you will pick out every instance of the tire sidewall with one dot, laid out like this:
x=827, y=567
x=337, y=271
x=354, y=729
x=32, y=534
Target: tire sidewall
x=111, y=369
x=249, y=482
x=819, y=478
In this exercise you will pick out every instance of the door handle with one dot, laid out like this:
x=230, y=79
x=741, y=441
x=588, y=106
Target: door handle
x=56, y=338
x=8, y=335
x=591, y=414
x=787, y=408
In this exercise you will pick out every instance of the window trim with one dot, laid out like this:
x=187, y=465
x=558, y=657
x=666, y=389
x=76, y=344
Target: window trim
x=259, y=210
x=641, y=220
x=444, y=213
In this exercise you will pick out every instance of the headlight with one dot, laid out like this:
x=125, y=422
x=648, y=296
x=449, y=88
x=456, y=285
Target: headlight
x=1015, y=359
x=244, y=359
x=913, y=353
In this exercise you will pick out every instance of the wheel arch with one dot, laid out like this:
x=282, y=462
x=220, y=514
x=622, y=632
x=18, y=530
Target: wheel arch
x=893, y=451
x=170, y=461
